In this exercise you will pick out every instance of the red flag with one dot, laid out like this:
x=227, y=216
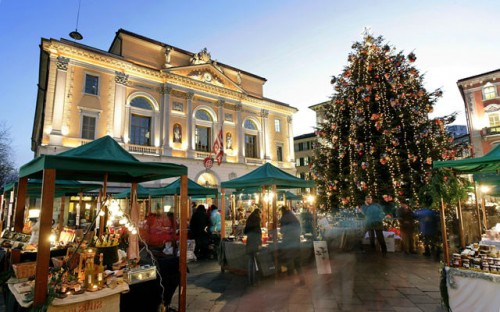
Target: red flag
x=218, y=148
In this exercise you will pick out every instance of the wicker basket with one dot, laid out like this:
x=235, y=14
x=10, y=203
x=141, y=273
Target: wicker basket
x=24, y=269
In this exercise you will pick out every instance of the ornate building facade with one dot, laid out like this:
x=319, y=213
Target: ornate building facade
x=161, y=103
x=482, y=109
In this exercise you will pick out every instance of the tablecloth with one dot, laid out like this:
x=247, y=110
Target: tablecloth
x=473, y=291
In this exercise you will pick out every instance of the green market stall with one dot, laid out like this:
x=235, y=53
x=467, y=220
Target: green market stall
x=100, y=160
x=266, y=177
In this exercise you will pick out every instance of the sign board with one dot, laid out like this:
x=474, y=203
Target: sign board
x=104, y=304
x=322, y=257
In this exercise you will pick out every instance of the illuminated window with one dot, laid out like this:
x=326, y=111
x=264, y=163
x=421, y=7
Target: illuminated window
x=203, y=131
x=489, y=91
x=279, y=153
x=494, y=119
x=140, y=127
x=91, y=84
x=277, y=125
x=88, y=127
x=251, y=146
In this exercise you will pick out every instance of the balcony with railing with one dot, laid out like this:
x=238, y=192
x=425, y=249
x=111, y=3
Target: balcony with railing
x=491, y=131
x=143, y=149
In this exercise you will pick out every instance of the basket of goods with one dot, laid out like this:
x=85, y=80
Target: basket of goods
x=108, y=246
x=24, y=269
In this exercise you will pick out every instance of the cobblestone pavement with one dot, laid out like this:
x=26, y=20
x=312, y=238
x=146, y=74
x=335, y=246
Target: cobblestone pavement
x=359, y=282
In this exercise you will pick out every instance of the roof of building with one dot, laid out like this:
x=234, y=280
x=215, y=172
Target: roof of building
x=479, y=75
x=305, y=136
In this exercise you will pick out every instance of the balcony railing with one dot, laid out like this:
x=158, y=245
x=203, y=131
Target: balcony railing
x=254, y=160
x=491, y=130
x=142, y=149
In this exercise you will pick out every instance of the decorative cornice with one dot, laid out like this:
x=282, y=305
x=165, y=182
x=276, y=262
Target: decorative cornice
x=264, y=113
x=108, y=61
x=62, y=63
x=121, y=78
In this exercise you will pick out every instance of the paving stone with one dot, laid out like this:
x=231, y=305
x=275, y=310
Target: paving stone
x=422, y=299
x=411, y=291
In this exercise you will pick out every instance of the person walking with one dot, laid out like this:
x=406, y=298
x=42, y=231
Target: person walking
x=429, y=228
x=290, y=230
x=254, y=241
x=198, y=231
x=374, y=215
x=214, y=232
x=407, y=226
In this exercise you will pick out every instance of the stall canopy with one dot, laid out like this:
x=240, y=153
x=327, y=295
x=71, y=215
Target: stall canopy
x=174, y=188
x=267, y=175
x=62, y=187
x=142, y=192
x=89, y=162
x=487, y=163
x=100, y=160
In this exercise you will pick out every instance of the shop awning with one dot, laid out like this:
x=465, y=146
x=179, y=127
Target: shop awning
x=142, y=192
x=62, y=187
x=267, y=175
x=174, y=188
x=92, y=161
x=487, y=163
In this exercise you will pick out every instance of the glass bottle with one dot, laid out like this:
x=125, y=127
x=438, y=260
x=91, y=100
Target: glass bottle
x=100, y=272
x=89, y=272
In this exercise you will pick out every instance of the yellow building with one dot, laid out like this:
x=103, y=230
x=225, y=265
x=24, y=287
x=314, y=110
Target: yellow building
x=162, y=104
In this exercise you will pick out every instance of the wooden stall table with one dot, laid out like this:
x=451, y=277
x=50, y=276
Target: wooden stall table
x=235, y=259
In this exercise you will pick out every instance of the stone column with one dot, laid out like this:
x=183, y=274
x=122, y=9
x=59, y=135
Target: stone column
x=167, y=148
x=291, y=148
x=241, y=134
x=121, y=80
x=59, y=98
x=190, y=125
x=266, y=142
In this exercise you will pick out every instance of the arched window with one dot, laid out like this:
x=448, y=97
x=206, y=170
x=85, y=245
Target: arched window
x=140, y=121
x=489, y=91
x=203, y=131
x=250, y=125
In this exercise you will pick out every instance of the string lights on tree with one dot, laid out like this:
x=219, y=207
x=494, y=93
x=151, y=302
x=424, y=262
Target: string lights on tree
x=377, y=138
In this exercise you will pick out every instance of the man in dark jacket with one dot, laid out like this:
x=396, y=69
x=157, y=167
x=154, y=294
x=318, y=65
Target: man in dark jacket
x=254, y=241
x=198, y=231
x=291, y=230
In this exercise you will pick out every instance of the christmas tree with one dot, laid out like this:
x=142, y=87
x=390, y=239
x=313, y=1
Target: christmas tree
x=377, y=138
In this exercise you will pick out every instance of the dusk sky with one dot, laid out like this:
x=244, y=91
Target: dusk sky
x=296, y=45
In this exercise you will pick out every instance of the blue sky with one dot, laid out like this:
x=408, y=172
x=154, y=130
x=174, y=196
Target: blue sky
x=296, y=45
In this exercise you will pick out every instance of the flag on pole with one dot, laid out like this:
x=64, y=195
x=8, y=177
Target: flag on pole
x=218, y=148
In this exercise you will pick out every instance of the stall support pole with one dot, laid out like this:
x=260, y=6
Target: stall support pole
x=2, y=209
x=461, y=224
x=104, y=208
x=477, y=210
x=275, y=231
x=61, y=215
x=483, y=204
x=233, y=204
x=314, y=213
x=223, y=216
x=43, y=255
x=444, y=235
x=22, y=189
x=183, y=244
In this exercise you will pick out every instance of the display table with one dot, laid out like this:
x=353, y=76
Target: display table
x=490, y=242
x=107, y=299
x=473, y=291
x=234, y=257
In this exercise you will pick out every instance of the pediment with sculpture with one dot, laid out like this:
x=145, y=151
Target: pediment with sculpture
x=207, y=73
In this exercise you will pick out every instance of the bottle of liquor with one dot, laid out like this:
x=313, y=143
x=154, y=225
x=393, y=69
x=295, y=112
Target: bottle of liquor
x=89, y=273
x=100, y=272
